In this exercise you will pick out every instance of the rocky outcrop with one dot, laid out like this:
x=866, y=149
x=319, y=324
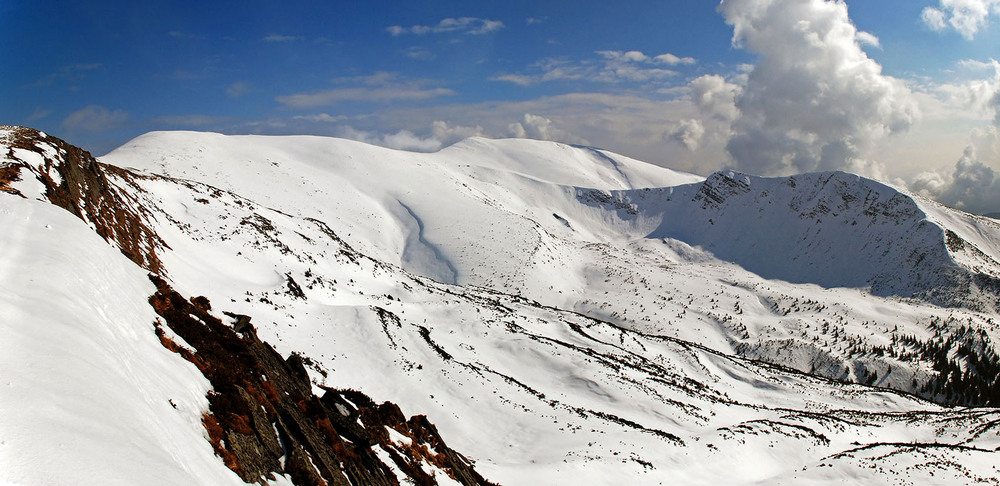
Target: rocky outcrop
x=75, y=181
x=265, y=420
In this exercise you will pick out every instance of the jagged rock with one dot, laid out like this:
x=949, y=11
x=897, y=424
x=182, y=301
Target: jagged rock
x=74, y=180
x=267, y=412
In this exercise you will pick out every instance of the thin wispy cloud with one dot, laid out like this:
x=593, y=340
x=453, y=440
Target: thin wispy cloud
x=463, y=25
x=38, y=114
x=282, y=38
x=188, y=120
x=607, y=67
x=377, y=88
x=94, y=118
x=321, y=118
x=72, y=72
x=238, y=89
x=418, y=53
x=176, y=34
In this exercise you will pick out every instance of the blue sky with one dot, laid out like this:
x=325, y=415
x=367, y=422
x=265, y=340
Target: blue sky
x=900, y=90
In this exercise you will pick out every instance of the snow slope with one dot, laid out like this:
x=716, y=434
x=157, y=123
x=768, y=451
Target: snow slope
x=90, y=396
x=564, y=314
x=634, y=244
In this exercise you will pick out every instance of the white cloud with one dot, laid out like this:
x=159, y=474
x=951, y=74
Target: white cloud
x=689, y=132
x=868, y=39
x=966, y=17
x=449, y=134
x=715, y=97
x=401, y=140
x=672, y=60
x=934, y=18
x=518, y=79
x=464, y=25
x=282, y=38
x=541, y=128
x=977, y=95
x=972, y=186
x=385, y=94
x=379, y=88
x=94, y=118
x=609, y=67
x=815, y=100
x=71, y=73
x=321, y=118
x=188, y=120
x=238, y=89
x=418, y=53
x=38, y=114
x=440, y=134
x=639, y=57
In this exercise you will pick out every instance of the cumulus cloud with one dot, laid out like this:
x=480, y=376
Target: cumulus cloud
x=966, y=17
x=815, y=100
x=978, y=95
x=464, y=25
x=715, y=97
x=972, y=186
x=689, y=132
x=541, y=128
x=449, y=134
x=94, y=118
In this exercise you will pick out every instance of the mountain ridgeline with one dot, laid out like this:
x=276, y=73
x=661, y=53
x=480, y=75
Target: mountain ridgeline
x=263, y=417
x=556, y=312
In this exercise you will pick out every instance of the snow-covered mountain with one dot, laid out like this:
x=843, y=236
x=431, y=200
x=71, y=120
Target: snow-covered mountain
x=559, y=314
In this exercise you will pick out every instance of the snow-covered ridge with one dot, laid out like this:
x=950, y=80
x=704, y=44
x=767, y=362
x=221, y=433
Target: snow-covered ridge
x=594, y=232
x=830, y=229
x=537, y=303
x=96, y=362
x=483, y=204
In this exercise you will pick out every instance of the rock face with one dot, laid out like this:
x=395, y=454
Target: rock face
x=264, y=418
x=72, y=179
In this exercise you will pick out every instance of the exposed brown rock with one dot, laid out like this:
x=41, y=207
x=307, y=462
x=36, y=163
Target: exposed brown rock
x=265, y=420
x=90, y=190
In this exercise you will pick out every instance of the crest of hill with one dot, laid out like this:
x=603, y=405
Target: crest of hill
x=485, y=203
x=831, y=229
x=551, y=162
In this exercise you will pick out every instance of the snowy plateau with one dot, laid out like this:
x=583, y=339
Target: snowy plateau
x=195, y=308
